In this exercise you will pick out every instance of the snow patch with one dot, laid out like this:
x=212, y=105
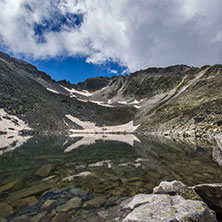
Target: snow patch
x=130, y=103
x=83, y=93
x=101, y=103
x=83, y=124
x=11, y=124
x=52, y=90
x=3, y=60
x=90, y=127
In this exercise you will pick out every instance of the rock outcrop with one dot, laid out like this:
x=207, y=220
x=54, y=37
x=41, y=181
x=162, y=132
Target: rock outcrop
x=211, y=194
x=217, y=149
x=157, y=208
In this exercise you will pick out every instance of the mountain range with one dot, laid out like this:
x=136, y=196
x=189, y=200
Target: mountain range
x=178, y=99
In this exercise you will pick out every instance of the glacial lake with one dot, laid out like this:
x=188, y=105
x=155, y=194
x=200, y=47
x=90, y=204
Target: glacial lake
x=110, y=167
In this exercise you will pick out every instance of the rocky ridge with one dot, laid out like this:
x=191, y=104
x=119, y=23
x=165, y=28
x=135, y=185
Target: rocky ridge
x=177, y=100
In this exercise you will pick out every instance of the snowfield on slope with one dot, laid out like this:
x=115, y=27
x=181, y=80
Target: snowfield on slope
x=90, y=127
x=52, y=90
x=11, y=124
x=83, y=93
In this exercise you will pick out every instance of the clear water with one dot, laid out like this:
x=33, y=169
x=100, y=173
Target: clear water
x=114, y=166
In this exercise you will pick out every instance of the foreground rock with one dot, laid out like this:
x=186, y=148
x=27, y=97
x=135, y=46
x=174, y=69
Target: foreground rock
x=217, y=149
x=176, y=188
x=157, y=208
x=211, y=195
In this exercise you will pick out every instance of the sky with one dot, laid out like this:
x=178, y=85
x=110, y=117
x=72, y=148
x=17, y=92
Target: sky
x=77, y=39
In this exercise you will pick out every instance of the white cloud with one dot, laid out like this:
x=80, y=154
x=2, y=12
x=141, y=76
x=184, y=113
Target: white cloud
x=136, y=34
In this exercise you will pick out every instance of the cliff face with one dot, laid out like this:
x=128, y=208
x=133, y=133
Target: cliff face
x=197, y=109
x=159, y=99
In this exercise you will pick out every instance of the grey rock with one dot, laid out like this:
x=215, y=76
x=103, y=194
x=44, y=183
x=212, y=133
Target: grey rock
x=159, y=208
x=176, y=188
x=211, y=195
x=217, y=149
x=166, y=187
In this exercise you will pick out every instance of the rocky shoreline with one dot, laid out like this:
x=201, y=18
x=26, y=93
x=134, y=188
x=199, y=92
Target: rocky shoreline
x=170, y=201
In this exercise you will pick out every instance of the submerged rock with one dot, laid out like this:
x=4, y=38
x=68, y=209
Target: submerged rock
x=61, y=217
x=73, y=203
x=48, y=204
x=44, y=171
x=95, y=202
x=8, y=186
x=22, y=218
x=39, y=217
x=5, y=210
x=2, y=219
x=31, y=191
x=22, y=203
x=157, y=208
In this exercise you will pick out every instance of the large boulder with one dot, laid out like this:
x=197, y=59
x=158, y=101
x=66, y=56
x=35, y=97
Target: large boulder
x=211, y=195
x=217, y=149
x=158, y=208
x=166, y=187
x=176, y=188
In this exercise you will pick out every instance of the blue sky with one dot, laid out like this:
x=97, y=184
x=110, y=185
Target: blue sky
x=76, y=69
x=77, y=39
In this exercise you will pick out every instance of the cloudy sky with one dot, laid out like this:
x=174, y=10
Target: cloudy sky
x=76, y=39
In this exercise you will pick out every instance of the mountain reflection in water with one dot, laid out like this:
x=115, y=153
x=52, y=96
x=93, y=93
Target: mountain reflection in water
x=88, y=139
x=11, y=142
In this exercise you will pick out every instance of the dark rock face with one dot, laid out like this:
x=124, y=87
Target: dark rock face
x=211, y=195
x=93, y=84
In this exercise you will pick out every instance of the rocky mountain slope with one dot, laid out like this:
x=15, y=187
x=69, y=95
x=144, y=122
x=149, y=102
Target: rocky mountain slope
x=177, y=99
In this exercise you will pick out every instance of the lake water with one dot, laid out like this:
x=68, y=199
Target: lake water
x=103, y=169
